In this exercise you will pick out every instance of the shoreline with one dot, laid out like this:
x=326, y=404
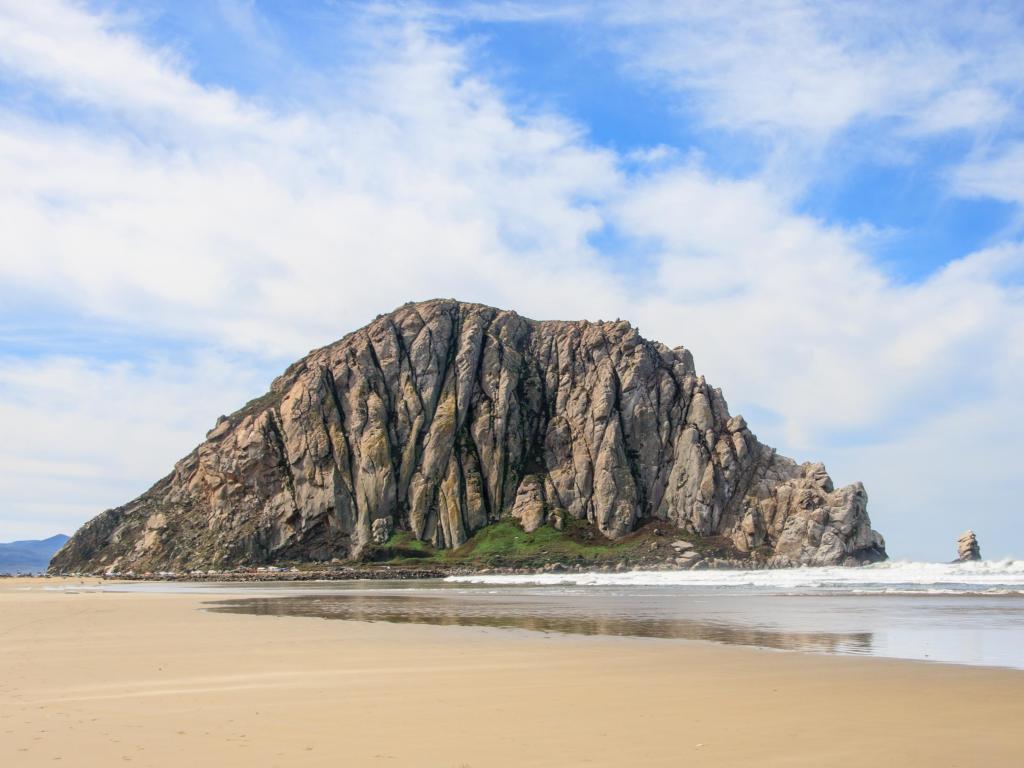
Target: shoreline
x=403, y=572
x=95, y=677
x=389, y=572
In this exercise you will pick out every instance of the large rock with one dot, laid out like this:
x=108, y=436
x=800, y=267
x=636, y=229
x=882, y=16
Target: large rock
x=441, y=417
x=967, y=548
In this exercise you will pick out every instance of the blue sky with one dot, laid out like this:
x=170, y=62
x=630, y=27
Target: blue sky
x=822, y=200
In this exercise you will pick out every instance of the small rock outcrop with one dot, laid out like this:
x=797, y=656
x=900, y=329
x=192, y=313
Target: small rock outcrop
x=443, y=417
x=967, y=548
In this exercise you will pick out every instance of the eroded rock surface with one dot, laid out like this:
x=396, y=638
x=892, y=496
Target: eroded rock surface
x=442, y=417
x=967, y=547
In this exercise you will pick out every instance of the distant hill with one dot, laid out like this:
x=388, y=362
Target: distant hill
x=29, y=556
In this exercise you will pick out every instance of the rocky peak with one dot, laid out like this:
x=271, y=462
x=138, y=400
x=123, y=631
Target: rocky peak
x=442, y=417
x=967, y=548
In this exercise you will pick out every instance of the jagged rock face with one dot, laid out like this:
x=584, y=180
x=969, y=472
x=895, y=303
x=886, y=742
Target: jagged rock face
x=442, y=417
x=967, y=547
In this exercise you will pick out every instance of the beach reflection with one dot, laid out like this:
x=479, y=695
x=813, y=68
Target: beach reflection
x=543, y=616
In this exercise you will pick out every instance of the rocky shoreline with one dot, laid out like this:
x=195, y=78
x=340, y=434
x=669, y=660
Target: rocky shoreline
x=404, y=572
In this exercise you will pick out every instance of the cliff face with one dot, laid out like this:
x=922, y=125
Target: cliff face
x=442, y=417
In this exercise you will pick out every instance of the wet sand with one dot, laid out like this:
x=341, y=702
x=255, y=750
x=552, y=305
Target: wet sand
x=152, y=679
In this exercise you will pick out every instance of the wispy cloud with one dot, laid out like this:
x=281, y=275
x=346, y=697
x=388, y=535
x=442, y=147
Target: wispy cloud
x=814, y=69
x=999, y=175
x=190, y=212
x=92, y=59
x=420, y=183
x=84, y=435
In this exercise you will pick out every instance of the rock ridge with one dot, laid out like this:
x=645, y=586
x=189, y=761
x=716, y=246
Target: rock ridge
x=442, y=417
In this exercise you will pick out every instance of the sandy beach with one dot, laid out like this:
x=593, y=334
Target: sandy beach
x=94, y=679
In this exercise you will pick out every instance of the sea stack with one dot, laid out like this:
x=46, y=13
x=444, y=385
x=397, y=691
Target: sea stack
x=443, y=417
x=967, y=548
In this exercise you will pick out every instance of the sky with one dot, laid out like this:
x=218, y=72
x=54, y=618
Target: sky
x=824, y=201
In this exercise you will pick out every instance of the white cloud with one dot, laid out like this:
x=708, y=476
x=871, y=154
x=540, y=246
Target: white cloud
x=999, y=176
x=824, y=86
x=82, y=436
x=807, y=81
x=89, y=58
x=420, y=184
x=794, y=316
x=195, y=214
x=968, y=107
x=786, y=315
x=813, y=69
x=954, y=471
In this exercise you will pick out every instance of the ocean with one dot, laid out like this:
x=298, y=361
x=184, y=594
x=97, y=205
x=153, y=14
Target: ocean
x=970, y=613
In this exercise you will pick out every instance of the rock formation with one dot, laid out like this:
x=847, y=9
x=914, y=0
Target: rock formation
x=442, y=417
x=967, y=548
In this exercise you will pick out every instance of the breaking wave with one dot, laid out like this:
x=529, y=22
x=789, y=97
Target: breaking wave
x=987, y=577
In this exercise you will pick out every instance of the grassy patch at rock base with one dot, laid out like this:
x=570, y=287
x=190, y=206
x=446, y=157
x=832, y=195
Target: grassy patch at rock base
x=505, y=544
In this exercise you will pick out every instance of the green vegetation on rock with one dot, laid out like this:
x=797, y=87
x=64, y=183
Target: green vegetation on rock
x=506, y=545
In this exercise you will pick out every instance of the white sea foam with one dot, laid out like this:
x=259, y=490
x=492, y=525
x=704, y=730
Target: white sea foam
x=894, y=577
